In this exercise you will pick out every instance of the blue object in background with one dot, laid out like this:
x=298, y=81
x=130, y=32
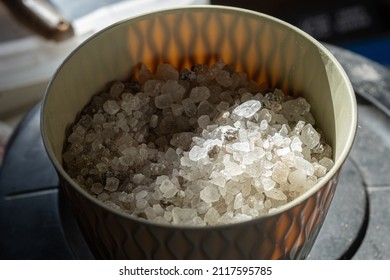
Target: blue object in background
x=377, y=49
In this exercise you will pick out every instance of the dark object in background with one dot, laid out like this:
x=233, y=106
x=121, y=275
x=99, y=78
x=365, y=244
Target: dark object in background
x=41, y=17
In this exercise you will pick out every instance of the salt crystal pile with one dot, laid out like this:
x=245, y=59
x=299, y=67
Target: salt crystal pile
x=201, y=147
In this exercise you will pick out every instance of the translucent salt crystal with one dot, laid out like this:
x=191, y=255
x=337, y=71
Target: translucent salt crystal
x=283, y=151
x=241, y=218
x=150, y=214
x=212, y=216
x=163, y=101
x=183, y=215
x=167, y=72
x=280, y=172
x=144, y=74
x=203, y=207
x=111, y=107
x=167, y=216
x=131, y=151
x=223, y=106
x=226, y=218
x=319, y=170
x=170, y=155
x=126, y=160
x=210, y=194
x=197, y=153
x=223, y=78
x=304, y=165
x=97, y=188
x=130, y=102
x=239, y=201
x=141, y=194
x=153, y=87
x=112, y=184
x=103, y=196
x=177, y=109
x=296, y=144
x=141, y=203
x=138, y=178
x=206, y=108
x=327, y=163
x=232, y=169
x=309, y=136
x=246, y=210
x=247, y=109
x=199, y=94
x=116, y=89
x=153, y=121
x=263, y=125
x=276, y=194
x=297, y=177
x=168, y=189
x=241, y=146
x=268, y=183
x=189, y=107
x=174, y=89
x=76, y=138
x=203, y=121
x=158, y=209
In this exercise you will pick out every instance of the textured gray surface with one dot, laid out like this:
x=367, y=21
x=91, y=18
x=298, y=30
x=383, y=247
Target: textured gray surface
x=345, y=217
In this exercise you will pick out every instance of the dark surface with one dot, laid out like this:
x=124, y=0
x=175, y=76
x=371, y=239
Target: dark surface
x=36, y=222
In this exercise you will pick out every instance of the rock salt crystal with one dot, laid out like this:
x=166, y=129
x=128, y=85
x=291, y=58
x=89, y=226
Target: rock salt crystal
x=200, y=147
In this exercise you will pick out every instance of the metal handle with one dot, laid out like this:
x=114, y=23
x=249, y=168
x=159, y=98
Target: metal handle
x=42, y=18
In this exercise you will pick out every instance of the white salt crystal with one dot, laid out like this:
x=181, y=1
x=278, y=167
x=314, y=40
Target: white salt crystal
x=327, y=163
x=296, y=144
x=210, y=194
x=304, y=165
x=168, y=189
x=268, y=183
x=239, y=201
x=319, y=170
x=203, y=207
x=241, y=146
x=183, y=215
x=309, y=136
x=297, y=177
x=212, y=216
x=141, y=203
x=197, y=153
x=276, y=194
x=280, y=172
x=241, y=218
x=247, y=109
x=141, y=194
x=283, y=151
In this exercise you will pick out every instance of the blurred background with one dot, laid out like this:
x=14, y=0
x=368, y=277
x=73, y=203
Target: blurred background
x=36, y=35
